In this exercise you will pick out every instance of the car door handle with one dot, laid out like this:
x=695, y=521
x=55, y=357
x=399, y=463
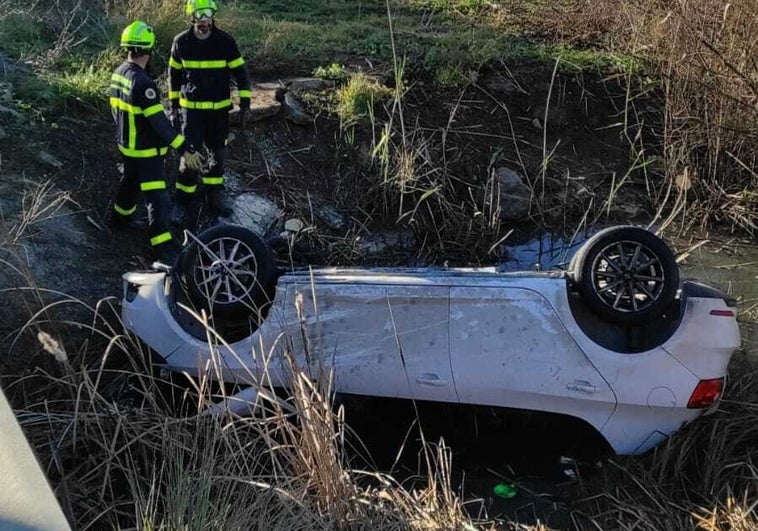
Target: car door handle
x=582, y=386
x=430, y=379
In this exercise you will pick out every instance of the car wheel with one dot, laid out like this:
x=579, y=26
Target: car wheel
x=626, y=275
x=228, y=270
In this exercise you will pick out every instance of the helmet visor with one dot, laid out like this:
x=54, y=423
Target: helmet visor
x=203, y=14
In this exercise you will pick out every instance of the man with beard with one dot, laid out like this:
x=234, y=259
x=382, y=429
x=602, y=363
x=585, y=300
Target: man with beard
x=203, y=60
x=143, y=134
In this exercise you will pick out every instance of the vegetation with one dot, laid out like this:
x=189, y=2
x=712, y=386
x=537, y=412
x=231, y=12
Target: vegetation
x=358, y=97
x=696, y=58
x=688, y=120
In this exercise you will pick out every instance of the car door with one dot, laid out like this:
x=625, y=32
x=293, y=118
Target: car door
x=508, y=348
x=385, y=340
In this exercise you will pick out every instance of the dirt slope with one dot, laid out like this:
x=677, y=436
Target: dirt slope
x=59, y=173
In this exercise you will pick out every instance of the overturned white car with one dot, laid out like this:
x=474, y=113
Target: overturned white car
x=616, y=341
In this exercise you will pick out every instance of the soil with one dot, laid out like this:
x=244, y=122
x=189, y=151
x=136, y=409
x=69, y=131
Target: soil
x=448, y=147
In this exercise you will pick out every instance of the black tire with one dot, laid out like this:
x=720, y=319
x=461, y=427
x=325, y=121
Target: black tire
x=229, y=270
x=626, y=275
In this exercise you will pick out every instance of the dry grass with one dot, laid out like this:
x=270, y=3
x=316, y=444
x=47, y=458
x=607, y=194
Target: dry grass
x=107, y=434
x=704, y=478
x=119, y=457
x=704, y=53
x=40, y=203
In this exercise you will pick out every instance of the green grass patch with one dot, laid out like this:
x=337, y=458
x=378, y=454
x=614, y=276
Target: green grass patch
x=466, y=7
x=334, y=71
x=445, y=41
x=580, y=59
x=357, y=98
x=74, y=83
x=308, y=43
x=448, y=47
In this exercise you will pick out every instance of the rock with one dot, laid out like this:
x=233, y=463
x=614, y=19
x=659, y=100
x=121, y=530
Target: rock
x=265, y=101
x=293, y=225
x=255, y=212
x=511, y=181
x=3, y=134
x=514, y=195
x=684, y=180
x=295, y=111
x=328, y=215
x=49, y=159
x=309, y=84
x=12, y=112
x=6, y=92
x=276, y=86
x=382, y=242
x=513, y=207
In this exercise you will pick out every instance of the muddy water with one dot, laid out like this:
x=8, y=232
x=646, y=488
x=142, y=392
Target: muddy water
x=730, y=264
x=528, y=456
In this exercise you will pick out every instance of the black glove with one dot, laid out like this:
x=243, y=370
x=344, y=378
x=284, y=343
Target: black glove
x=244, y=111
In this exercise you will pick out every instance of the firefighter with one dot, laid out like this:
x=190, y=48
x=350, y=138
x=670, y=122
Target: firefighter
x=203, y=60
x=143, y=134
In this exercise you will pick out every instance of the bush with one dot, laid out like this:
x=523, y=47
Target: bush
x=334, y=71
x=358, y=97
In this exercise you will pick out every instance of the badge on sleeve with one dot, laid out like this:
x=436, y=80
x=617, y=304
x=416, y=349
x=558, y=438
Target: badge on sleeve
x=150, y=94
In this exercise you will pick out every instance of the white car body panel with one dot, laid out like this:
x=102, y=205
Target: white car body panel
x=360, y=331
x=509, y=347
x=648, y=395
x=468, y=336
x=707, y=343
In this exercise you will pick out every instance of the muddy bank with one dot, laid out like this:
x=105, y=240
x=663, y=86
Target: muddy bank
x=457, y=177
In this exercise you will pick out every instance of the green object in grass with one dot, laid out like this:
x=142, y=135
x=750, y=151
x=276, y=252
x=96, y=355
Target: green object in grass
x=504, y=491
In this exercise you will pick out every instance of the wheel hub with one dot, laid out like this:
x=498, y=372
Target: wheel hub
x=230, y=274
x=627, y=276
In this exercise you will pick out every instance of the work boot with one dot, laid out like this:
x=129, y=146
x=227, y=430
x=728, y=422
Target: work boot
x=167, y=253
x=217, y=203
x=119, y=222
x=179, y=213
x=184, y=212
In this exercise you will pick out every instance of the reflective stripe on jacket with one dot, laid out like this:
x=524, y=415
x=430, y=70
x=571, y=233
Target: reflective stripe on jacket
x=142, y=129
x=200, y=72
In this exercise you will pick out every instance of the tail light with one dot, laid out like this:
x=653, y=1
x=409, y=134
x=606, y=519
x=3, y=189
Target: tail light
x=723, y=313
x=706, y=393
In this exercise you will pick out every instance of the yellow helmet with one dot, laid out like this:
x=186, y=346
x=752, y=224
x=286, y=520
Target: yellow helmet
x=193, y=6
x=138, y=35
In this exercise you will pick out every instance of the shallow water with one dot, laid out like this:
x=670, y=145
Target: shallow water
x=542, y=253
x=730, y=264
